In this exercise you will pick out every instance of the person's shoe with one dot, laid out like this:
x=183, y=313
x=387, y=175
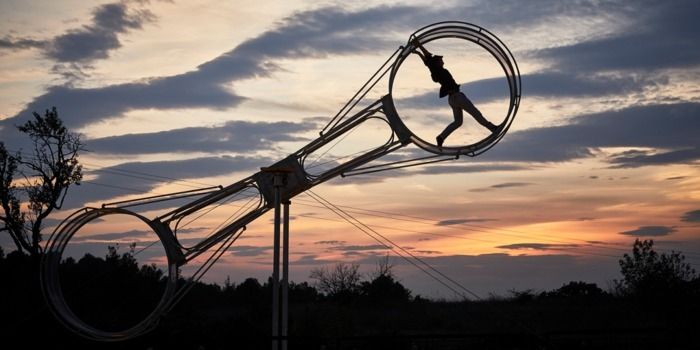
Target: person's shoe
x=493, y=128
x=440, y=140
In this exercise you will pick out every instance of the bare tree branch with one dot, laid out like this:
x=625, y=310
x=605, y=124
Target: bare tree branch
x=48, y=174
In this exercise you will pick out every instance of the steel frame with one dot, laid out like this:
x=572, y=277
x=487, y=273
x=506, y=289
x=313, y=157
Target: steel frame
x=265, y=183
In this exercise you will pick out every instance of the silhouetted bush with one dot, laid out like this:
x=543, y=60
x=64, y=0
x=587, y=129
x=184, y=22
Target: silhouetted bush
x=576, y=290
x=384, y=289
x=522, y=296
x=648, y=274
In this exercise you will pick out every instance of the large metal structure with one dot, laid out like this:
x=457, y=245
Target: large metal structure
x=268, y=192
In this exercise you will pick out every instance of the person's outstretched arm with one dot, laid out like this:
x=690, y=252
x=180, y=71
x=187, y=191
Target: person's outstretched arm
x=423, y=53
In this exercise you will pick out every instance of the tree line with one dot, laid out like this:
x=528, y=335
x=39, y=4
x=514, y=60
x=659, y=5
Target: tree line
x=655, y=302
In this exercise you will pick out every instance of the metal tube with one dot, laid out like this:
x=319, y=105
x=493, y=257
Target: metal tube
x=215, y=238
x=169, y=196
x=206, y=200
x=276, y=266
x=356, y=162
x=285, y=274
x=362, y=171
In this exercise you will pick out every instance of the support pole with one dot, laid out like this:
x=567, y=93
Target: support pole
x=285, y=274
x=278, y=181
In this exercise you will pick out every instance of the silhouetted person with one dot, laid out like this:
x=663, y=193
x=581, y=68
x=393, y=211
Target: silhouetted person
x=448, y=87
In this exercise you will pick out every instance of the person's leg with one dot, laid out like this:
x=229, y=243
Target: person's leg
x=462, y=101
x=458, y=119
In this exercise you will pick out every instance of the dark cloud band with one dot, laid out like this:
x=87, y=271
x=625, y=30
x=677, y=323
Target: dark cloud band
x=234, y=136
x=644, y=126
x=650, y=231
x=691, y=216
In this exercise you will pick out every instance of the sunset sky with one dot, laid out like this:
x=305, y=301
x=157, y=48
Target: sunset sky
x=171, y=95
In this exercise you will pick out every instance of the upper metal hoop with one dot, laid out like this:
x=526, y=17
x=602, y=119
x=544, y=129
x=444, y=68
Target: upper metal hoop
x=492, y=44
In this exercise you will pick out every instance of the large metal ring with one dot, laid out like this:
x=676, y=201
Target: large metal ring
x=51, y=283
x=496, y=48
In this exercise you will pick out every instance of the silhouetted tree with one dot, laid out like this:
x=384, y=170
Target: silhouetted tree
x=111, y=292
x=384, y=287
x=647, y=272
x=46, y=176
x=249, y=291
x=342, y=281
x=302, y=292
x=384, y=268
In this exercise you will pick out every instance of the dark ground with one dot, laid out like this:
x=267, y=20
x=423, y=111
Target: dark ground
x=238, y=317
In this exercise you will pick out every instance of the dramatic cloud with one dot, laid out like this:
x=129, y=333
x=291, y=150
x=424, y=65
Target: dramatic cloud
x=236, y=136
x=634, y=159
x=644, y=126
x=655, y=36
x=307, y=34
x=349, y=248
x=455, y=168
x=129, y=236
x=78, y=107
x=461, y=169
x=661, y=35
x=334, y=242
x=428, y=252
x=650, y=231
x=511, y=184
x=311, y=260
x=96, y=40
x=537, y=246
x=10, y=43
x=248, y=250
x=312, y=33
x=691, y=216
x=512, y=14
x=460, y=221
x=75, y=50
x=502, y=185
x=132, y=178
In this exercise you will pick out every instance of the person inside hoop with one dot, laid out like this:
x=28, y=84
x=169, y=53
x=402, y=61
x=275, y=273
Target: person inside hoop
x=448, y=87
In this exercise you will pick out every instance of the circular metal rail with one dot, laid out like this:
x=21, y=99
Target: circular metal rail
x=492, y=44
x=53, y=291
